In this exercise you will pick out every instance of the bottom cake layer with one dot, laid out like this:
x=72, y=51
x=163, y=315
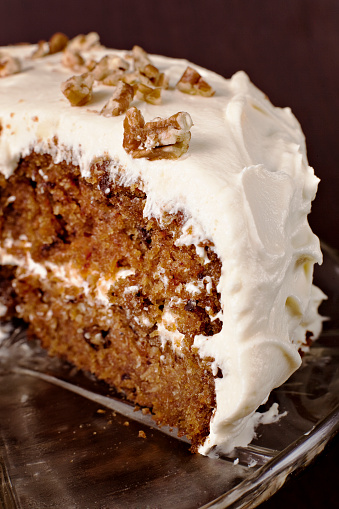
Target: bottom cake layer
x=109, y=290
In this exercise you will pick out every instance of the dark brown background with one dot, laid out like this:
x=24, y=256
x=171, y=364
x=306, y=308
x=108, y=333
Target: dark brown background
x=290, y=50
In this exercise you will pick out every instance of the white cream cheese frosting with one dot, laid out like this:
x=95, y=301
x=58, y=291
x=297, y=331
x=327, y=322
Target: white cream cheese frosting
x=244, y=184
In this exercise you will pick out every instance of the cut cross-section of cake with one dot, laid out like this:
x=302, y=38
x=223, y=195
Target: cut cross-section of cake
x=154, y=230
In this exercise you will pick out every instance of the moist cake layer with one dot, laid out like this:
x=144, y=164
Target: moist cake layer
x=88, y=295
x=234, y=206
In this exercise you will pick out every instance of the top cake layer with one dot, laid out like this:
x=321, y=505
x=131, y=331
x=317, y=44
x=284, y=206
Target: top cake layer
x=244, y=184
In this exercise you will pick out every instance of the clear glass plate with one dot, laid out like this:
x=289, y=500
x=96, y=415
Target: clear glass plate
x=67, y=441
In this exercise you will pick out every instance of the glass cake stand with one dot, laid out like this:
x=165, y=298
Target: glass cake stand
x=66, y=440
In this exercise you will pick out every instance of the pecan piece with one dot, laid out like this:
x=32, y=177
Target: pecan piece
x=73, y=60
x=191, y=82
x=158, y=139
x=145, y=71
x=78, y=89
x=150, y=71
x=150, y=76
x=90, y=64
x=161, y=81
x=131, y=78
x=84, y=42
x=148, y=94
x=42, y=50
x=113, y=78
x=57, y=42
x=9, y=65
x=140, y=57
x=120, y=100
x=107, y=65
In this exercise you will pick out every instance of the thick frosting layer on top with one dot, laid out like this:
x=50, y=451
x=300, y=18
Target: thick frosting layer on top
x=245, y=184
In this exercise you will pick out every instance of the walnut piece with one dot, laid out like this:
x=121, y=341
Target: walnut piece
x=42, y=50
x=73, y=60
x=131, y=78
x=120, y=100
x=158, y=139
x=57, y=42
x=90, y=64
x=78, y=89
x=145, y=72
x=84, y=42
x=9, y=65
x=148, y=94
x=191, y=82
x=113, y=78
x=108, y=65
x=151, y=76
x=140, y=57
x=162, y=81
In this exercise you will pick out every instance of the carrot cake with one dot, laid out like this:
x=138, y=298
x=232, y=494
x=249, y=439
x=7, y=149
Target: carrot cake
x=153, y=229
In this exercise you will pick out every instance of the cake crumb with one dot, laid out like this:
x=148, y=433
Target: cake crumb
x=126, y=423
x=142, y=434
x=101, y=411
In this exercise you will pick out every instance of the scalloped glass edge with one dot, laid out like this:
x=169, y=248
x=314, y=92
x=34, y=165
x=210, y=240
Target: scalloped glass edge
x=270, y=477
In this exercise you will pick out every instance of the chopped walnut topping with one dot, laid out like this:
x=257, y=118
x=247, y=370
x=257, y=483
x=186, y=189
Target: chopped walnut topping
x=57, y=43
x=107, y=65
x=145, y=71
x=90, y=64
x=191, y=82
x=162, y=81
x=148, y=94
x=9, y=65
x=73, y=60
x=78, y=89
x=140, y=57
x=84, y=42
x=159, y=139
x=151, y=76
x=131, y=77
x=150, y=71
x=42, y=50
x=112, y=79
x=120, y=100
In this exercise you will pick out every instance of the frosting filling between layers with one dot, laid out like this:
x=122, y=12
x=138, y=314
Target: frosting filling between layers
x=245, y=185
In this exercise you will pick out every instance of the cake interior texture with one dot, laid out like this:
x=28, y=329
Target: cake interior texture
x=107, y=278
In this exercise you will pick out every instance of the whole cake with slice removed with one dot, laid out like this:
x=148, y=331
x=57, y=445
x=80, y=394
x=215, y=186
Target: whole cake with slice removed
x=153, y=229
